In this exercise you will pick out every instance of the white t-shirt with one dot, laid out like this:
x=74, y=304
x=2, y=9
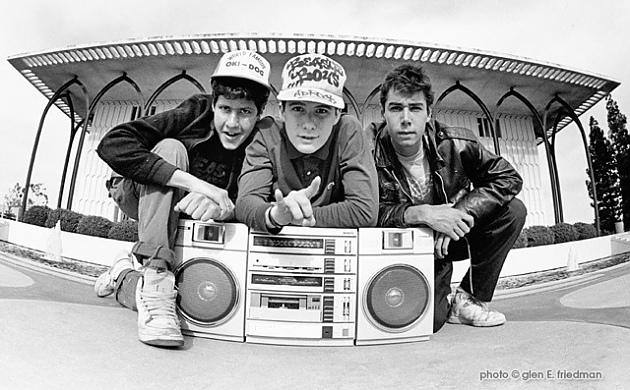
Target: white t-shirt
x=418, y=173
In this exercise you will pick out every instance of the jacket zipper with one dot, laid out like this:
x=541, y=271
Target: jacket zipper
x=400, y=185
x=442, y=187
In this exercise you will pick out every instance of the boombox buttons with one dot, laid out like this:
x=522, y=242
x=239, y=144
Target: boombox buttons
x=301, y=287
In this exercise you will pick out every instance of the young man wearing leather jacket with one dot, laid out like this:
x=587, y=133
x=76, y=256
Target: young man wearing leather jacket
x=442, y=177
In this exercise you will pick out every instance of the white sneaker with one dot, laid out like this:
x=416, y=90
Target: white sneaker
x=468, y=310
x=158, y=323
x=105, y=284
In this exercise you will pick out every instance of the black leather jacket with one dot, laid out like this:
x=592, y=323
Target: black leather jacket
x=465, y=174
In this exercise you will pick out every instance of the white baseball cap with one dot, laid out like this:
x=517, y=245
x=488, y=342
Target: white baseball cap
x=245, y=64
x=314, y=78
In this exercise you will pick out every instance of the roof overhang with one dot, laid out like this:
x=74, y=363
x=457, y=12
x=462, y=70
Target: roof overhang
x=150, y=62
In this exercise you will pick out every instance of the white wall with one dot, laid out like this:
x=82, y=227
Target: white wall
x=91, y=197
x=59, y=243
x=519, y=261
x=517, y=145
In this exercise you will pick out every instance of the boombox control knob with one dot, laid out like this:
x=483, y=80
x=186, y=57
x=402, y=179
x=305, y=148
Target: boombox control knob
x=207, y=291
x=394, y=297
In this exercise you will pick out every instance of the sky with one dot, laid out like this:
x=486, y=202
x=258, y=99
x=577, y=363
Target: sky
x=578, y=34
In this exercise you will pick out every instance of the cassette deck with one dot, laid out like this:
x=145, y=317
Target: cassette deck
x=301, y=287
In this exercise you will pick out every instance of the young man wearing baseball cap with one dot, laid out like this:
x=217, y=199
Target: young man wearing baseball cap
x=313, y=166
x=182, y=160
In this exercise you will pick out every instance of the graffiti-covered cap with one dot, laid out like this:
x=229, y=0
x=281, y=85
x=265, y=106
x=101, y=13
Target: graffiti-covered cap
x=313, y=78
x=245, y=64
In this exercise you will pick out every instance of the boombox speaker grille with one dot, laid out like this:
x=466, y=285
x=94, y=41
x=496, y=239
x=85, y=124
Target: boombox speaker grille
x=396, y=297
x=208, y=292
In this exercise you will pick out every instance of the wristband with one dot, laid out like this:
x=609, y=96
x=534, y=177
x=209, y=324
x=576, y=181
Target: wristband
x=272, y=221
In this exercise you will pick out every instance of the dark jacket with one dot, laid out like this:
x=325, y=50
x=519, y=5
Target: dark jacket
x=465, y=174
x=127, y=147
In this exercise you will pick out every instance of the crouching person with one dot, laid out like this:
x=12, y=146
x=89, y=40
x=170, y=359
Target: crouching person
x=185, y=160
x=313, y=167
x=440, y=176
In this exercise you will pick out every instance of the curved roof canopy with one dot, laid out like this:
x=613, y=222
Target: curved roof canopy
x=150, y=62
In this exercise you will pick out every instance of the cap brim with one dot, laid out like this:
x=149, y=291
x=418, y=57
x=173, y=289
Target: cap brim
x=240, y=76
x=311, y=95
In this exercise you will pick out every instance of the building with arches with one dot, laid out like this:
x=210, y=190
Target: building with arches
x=513, y=104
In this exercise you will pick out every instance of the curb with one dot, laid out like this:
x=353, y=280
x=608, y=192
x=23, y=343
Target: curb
x=546, y=286
x=40, y=267
x=499, y=293
x=555, y=284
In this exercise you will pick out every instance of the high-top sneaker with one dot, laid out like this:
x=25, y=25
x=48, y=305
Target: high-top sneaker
x=158, y=323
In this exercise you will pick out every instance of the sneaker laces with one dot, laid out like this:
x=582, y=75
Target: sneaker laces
x=470, y=310
x=470, y=300
x=475, y=301
x=161, y=307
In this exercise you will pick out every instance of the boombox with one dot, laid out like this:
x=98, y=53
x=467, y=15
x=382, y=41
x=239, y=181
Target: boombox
x=210, y=278
x=301, y=287
x=305, y=286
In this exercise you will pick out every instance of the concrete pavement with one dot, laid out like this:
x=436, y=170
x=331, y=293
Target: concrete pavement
x=55, y=333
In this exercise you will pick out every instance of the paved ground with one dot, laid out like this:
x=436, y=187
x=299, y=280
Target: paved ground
x=55, y=334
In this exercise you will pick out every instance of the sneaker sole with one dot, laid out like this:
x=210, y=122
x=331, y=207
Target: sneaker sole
x=163, y=342
x=456, y=320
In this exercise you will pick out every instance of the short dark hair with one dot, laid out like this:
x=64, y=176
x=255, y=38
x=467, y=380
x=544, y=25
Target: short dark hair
x=237, y=88
x=407, y=80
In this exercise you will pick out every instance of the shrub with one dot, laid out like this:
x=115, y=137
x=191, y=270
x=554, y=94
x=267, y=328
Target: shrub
x=36, y=215
x=69, y=219
x=92, y=225
x=521, y=241
x=538, y=235
x=585, y=230
x=564, y=232
x=124, y=231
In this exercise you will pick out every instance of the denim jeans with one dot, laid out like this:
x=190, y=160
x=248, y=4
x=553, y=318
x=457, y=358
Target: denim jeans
x=152, y=205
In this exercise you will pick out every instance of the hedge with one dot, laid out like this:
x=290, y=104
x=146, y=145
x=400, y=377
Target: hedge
x=539, y=235
x=36, y=215
x=124, y=231
x=92, y=225
x=69, y=219
x=563, y=232
x=585, y=230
